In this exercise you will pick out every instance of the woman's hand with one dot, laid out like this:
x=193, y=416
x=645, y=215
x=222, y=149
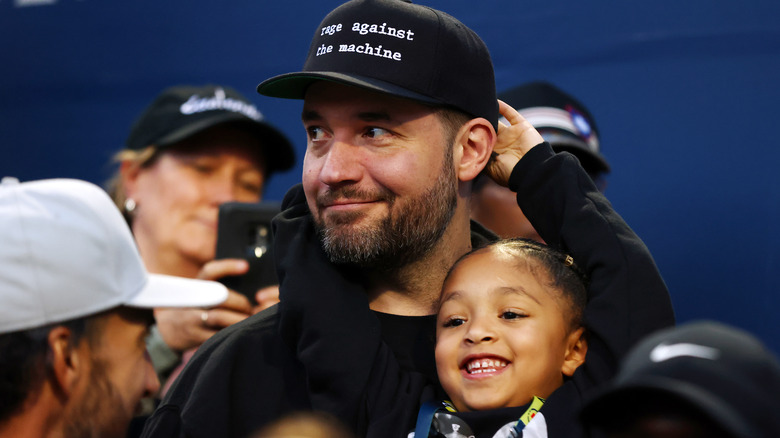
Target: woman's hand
x=266, y=297
x=183, y=328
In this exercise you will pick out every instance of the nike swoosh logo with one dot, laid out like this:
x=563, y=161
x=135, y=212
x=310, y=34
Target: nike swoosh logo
x=664, y=352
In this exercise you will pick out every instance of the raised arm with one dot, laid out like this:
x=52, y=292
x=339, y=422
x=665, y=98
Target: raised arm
x=627, y=296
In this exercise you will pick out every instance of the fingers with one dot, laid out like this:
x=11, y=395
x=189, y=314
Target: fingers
x=215, y=319
x=520, y=136
x=201, y=332
x=236, y=303
x=513, y=142
x=266, y=297
x=216, y=269
x=509, y=113
x=182, y=329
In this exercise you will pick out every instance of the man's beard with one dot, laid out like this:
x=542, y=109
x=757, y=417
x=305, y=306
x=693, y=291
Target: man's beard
x=405, y=235
x=101, y=413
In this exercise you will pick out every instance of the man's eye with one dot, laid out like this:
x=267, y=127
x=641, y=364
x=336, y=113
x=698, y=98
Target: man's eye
x=315, y=133
x=374, y=132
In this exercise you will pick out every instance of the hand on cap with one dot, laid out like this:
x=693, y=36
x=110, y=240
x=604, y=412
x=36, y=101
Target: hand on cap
x=182, y=329
x=513, y=142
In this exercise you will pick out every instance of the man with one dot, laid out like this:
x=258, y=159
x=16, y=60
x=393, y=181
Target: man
x=701, y=379
x=75, y=307
x=568, y=126
x=401, y=116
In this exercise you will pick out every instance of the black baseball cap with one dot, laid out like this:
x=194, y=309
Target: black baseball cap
x=182, y=111
x=563, y=121
x=399, y=48
x=723, y=372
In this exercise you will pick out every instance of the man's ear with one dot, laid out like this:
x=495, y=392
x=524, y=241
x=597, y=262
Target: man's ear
x=473, y=147
x=576, y=349
x=68, y=362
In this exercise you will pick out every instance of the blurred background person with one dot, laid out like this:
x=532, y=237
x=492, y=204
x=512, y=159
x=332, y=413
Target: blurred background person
x=309, y=424
x=192, y=149
x=568, y=126
x=703, y=379
x=75, y=307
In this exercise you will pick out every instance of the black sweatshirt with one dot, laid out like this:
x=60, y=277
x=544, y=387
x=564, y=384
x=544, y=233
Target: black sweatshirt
x=626, y=299
x=252, y=372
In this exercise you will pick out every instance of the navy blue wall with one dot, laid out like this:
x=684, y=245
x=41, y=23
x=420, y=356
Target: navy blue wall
x=684, y=93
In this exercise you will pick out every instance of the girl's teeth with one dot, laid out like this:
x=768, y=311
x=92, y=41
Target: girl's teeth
x=485, y=365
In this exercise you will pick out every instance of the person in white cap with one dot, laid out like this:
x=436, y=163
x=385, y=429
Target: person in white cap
x=75, y=307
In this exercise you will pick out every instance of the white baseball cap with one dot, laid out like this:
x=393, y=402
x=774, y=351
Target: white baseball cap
x=66, y=252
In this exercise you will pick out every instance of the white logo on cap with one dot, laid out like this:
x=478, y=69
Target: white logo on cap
x=197, y=104
x=664, y=352
x=365, y=48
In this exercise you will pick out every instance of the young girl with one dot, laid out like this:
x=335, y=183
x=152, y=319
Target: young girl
x=510, y=335
x=509, y=326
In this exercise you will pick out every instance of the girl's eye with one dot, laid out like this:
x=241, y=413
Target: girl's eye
x=453, y=322
x=512, y=315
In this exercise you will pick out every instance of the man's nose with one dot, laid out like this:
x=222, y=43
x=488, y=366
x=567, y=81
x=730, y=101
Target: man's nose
x=341, y=164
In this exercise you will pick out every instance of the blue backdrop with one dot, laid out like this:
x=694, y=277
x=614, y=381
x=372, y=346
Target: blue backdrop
x=684, y=93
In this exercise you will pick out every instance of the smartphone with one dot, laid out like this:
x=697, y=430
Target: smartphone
x=244, y=232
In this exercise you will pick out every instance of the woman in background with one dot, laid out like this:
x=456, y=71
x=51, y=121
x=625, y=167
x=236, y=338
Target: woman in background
x=191, y=150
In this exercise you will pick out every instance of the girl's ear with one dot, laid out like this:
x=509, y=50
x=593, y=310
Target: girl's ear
x=577, y=348
x=473, y=147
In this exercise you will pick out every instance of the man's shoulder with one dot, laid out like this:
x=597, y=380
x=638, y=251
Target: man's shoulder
x=260, y=325
x=216, y=360
x=241, y=378
x=246, y=343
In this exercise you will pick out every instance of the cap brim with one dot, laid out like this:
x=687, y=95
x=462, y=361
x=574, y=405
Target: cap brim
x=294, y=85
x=170, y=291
x=277, y=150
x=600, y=408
